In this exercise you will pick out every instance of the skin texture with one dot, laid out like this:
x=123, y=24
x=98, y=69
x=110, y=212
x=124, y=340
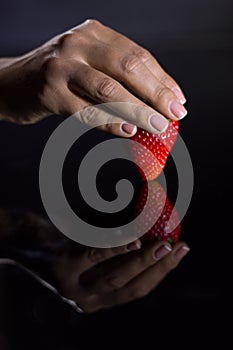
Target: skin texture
x=94, y=278
x=86, y=65
x=100, y=279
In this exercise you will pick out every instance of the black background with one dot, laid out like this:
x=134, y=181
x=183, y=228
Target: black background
x=193, y=41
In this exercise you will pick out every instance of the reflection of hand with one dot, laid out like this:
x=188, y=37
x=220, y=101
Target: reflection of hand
x=94, y=278
x=101, y=278
x=84, y=66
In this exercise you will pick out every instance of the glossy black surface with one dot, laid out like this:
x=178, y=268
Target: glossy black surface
x=190, y=308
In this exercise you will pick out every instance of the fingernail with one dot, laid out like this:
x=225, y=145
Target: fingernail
x=128, y=128
x=181, y=252
x=178, y=110
x=158, y=122
x=180, y=95
x=162, y=251
x=133, y=246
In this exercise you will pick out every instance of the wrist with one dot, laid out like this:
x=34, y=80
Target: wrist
x=7, y=70
x=7, y=61
x=20, y=87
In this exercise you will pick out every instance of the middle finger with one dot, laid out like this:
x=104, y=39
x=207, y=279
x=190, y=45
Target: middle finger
x=130, y=70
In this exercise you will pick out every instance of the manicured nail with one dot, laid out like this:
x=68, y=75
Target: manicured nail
x=181, y=252
x=133, y=246
x=158, y=122
x=128, y=128
x=162, y=251
x=180, y=95
x=178, y=110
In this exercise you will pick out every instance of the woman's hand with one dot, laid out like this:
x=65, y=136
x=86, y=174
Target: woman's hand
x=97, y=279
x=87, y=65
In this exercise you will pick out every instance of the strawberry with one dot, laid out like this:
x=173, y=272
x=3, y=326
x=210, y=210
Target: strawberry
x=156, y=214
x=152, y=159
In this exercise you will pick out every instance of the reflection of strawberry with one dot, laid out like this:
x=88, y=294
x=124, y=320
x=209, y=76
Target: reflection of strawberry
x=156, y=222
x=151, y=161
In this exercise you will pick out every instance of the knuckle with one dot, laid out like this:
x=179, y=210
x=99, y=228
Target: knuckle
x=162, y=93
x=130, y=63
x=66, y=39
x=92, y=23
x=112, y=127
x=166, y=80
x=73, y=38
x=87, y=115
x=51, y=63
x=142, y=53
x=107, y=88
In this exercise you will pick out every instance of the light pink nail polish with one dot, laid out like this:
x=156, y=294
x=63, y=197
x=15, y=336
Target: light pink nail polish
x=158, y=122
x=128, y=128
x=181, y=252
x=162, y=251
x=180, y=95
x=133, y=246
x=178, y=110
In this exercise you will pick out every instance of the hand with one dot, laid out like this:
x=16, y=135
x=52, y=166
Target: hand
x=87, y=65
x=97, y=279
x=94, y=278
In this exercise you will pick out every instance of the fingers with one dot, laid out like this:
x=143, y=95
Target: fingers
x=128, y=47
x=95, y=64
x=123, y=43
x=153, y=65
x=97, y=116
x=86, y=85
x=99, y=87
x=145, y=282
x=69, y=269
x=129, y=69
x=150, y=271
x=105, y=118
x=94, y=256
x=114, y=274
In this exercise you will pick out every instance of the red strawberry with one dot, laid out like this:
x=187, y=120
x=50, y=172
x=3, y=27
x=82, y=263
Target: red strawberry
x=156, y=222
x=152, y=160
